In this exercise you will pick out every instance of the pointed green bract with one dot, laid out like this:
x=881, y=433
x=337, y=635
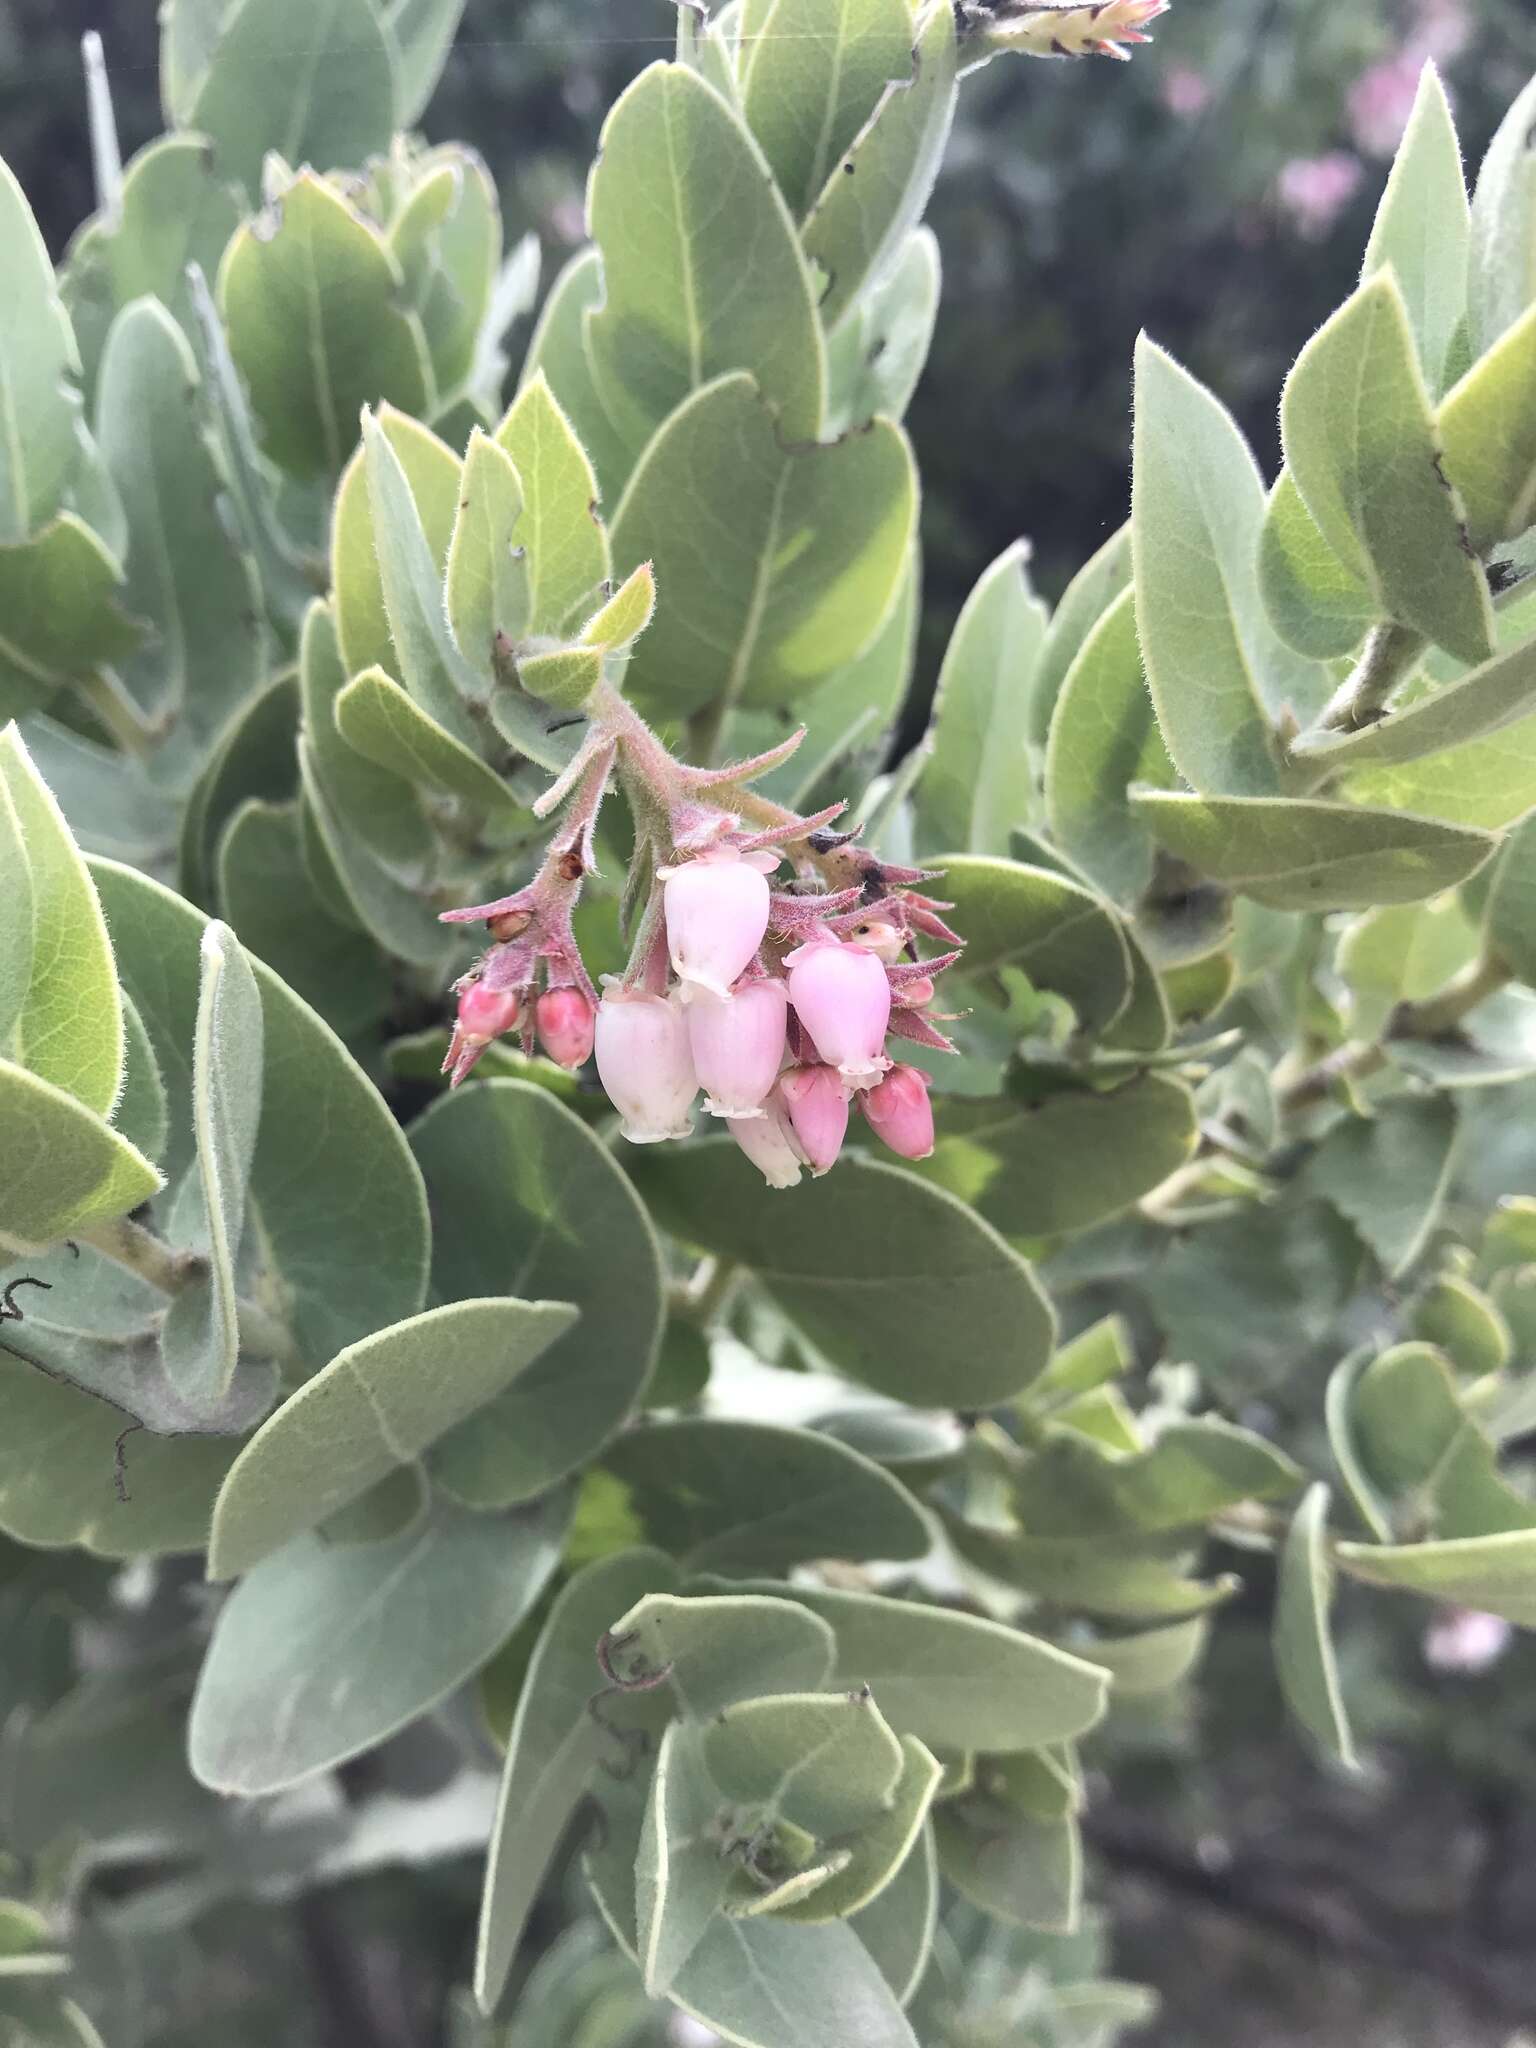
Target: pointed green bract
x=201, y=1337
x=193, y=583
x=1083, y=603
x=64, y=1164
x=776, y=562
x=558, y=354
x=1487, y=427
x=1423, y=228
x=811, y=77
x=316, y=84
x=434, y=475
x=1503, y=269
x=311, y=297
x=1360, y=441
x=379, y=720
x=678, y=192
x=61, y=598
x=434, y=671
x=383, y=853
x=175, y=209
x=977, y=783
x=875, y=194
x=38, y=401
x=1104, y=738
x=1219, y=674
x=876, y=353
x=1319, y=605
x=564, y=538
x=62, y=1018
x=488, y=581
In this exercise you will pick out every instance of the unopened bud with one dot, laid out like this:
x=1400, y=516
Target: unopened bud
x=484, y=1013
x=737, y=1042
x=816, y=1102
x=566, y=1025
x=843, y=999
x=644, y=1064
x=900, y=1114
x=885, y=940
x=717, y=913
x=914, y=995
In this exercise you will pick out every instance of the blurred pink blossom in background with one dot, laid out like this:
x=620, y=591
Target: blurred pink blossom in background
x=1314, y=190
x=1185, y=92
x=1381, y=99
x=1464, y=1639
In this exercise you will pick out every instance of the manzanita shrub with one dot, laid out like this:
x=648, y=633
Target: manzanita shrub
x=388, y=754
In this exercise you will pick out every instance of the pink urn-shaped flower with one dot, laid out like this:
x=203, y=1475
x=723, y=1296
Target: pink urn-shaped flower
x=644, y=1064
x=737, y=1042
x=843, y=999
x=768, y=1139
x=816, y=1102
x=717, y=912
x=899, y=1112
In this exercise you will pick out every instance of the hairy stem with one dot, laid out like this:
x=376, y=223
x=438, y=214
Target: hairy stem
x=130, y=1245
x=1430, y=1019
x=1390, y=652
x=119, y=715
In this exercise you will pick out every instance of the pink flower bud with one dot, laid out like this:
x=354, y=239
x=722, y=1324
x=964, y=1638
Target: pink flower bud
x=717, y=912
x=900, y=1113
x=816, y=1102
x=737, y=1042
x=484, y=1013
x=643, y=1062
x=565, y=1021
x=843, y=999
x=769, y=1142
x=879, y=936
x=914, y=995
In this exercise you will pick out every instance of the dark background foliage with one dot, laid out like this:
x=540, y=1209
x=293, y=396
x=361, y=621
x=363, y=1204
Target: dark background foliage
x=1218, y=194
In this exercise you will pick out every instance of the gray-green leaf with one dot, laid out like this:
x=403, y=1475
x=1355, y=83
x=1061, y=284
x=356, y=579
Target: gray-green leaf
x=325, y=1649
x=378, y=1405
x=1360, y=441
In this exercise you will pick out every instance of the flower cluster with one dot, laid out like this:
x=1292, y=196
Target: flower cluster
x=1058, y=28
x=776, y=1003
